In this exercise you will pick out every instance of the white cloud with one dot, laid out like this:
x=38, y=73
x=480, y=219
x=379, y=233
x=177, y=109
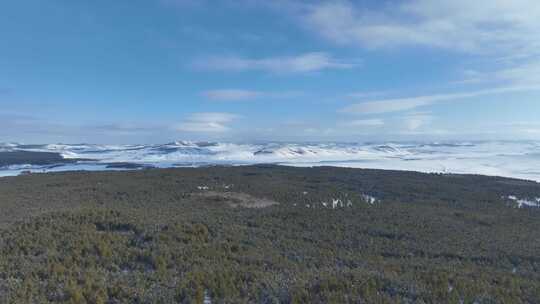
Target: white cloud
x=213, y=117
x=528, y=73
x=414, y=121
x=22, y=125
x=304, y=63
x=206, y=122
x=506, y=27
x=243, y=95
x=363, y=123
x=232, y=94
x=369, y=94
x=518, y=127
x=520, y=124
x=404, y=104
x=202, y=127
x=531, y=131
x=502, y=34
x=388, y=105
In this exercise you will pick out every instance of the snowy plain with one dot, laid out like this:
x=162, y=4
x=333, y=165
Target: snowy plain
x=519, y=159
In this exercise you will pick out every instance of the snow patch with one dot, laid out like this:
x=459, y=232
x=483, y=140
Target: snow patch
x=207, y=299
x=369, y=199
x=336, y=203
x=525, y=202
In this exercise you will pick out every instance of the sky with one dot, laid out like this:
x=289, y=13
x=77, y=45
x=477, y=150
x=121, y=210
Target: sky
x=154, y=71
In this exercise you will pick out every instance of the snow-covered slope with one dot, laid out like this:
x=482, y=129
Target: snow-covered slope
x=512, y=159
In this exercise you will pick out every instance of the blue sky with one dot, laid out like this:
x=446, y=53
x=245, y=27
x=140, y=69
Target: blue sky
x=142, y=71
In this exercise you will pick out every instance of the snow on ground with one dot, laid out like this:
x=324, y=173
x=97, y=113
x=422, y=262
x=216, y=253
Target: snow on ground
x=520, y=159
x=339, y=203
x=369, y=199
x=527, y=202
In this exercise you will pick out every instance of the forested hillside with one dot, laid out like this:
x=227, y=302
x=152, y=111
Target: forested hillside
x=268, y=234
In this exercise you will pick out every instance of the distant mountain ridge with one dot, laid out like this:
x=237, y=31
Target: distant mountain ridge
x=520, y=159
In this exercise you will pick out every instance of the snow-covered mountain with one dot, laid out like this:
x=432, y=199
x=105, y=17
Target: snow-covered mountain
x=512, y=159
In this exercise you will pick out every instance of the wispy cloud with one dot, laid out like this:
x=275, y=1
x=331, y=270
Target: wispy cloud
x=125, y=128
x=518, y=127
x=527, y=73
x=367, y=94
x=362, y=123
x=232, y=94
x=207, y=122
x=17, y=124
x=502, y=32
x=404, y=104
x=304, y=63
x=482, y=26
x=247, y=95
x=416, y=120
